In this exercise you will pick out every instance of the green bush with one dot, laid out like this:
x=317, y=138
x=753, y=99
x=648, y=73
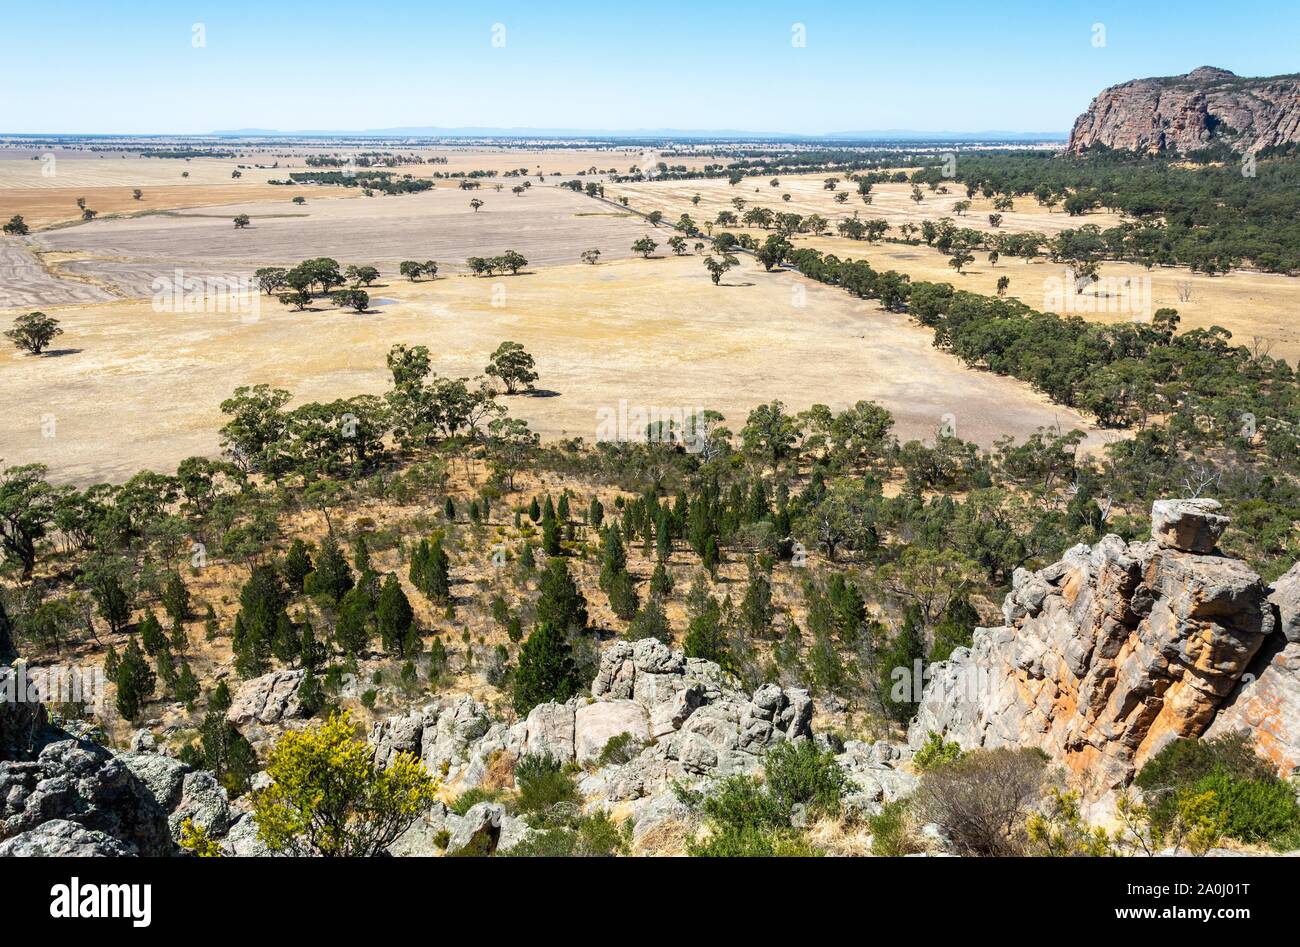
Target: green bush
x=1253, y=803
x=1255, y=810
x=746, y=821
x=751, y=842
x=546, y=791
x=936, y=752
x=797, y=773
x=893, y=831
x=742, y=802
x=470, y=798
x=621, y=748
x=593, y=836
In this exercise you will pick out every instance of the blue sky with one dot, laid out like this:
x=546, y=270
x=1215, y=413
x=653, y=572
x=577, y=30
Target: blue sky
x=133, y=67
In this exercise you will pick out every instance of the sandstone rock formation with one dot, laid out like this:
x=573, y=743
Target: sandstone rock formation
x=1110, y=653
x=1267, y=701
x=1188, y=112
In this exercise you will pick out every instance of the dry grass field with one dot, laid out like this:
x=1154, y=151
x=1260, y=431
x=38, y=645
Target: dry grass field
x=49, y=207
x=45, y=191
x=1251, y=305
x=140, y=388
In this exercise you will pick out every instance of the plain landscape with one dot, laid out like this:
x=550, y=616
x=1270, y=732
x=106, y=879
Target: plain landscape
x=729, y=495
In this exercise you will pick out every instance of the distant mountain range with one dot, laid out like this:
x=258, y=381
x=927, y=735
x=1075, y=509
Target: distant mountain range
x=433, y=131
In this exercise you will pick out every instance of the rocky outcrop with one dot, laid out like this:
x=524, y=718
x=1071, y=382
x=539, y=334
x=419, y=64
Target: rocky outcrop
x=1110, y=653
x=24, y=725
x=485, y=829
x=80, y=782
x=271, y=698
x=687, y=721
x=1267, y=700
x=1185, y=113
x=877, y=773
x=60, y=838
x=454, y=739
x=76, y=797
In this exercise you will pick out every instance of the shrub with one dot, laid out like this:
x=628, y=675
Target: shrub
x=893, y=831
x=621, y=748
x=798, y=773
x=745, y=821
x=936, y=752
x=593, y=836
x=470, y=798
x=327, y=797
x=196, y=840
x=1061, y=831
x=546, y=791
x=981, y=801
x=1251, y=803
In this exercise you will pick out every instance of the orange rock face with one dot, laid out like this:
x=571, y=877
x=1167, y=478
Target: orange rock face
x=1106, y=656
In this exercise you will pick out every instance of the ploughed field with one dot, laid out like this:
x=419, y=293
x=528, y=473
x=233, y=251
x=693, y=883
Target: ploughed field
x=122, y=257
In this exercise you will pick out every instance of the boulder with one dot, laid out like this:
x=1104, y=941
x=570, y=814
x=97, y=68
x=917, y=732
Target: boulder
x=243, y=841
x=657, y=811
x=477, y=831
x=1187, y=525
x=162, y=776
x=597, y=723
x=60, y=838
x=204, y=801
x=550, y=730
x=421, y=839
x=271, y=698
x=513, y=832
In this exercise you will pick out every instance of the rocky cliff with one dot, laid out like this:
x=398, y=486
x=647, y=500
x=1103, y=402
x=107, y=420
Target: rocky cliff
x=1119, y=648
x=1184, y=113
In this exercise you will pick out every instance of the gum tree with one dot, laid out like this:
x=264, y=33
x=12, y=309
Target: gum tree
x=34, y=332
